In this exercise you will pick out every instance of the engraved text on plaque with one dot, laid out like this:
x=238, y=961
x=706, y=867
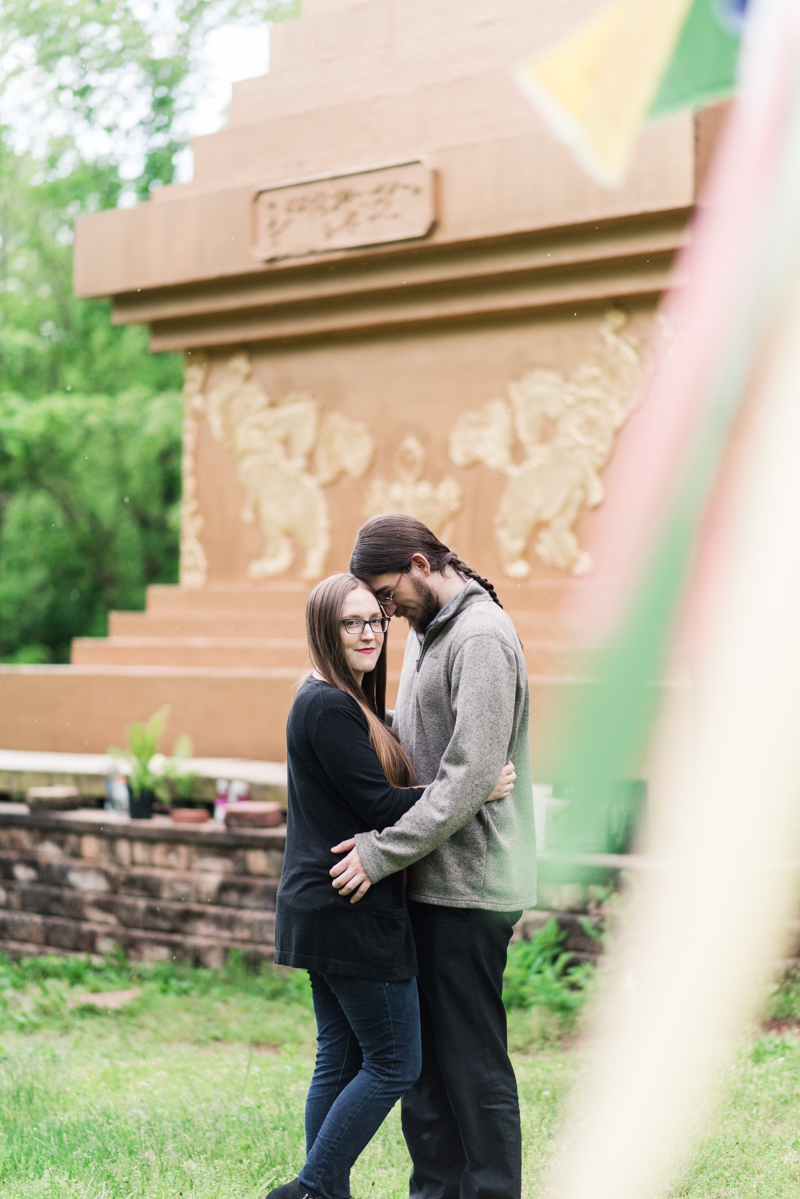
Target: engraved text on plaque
x=383, y=205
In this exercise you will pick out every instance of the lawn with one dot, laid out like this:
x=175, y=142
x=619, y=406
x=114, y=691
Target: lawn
x=196, y=1089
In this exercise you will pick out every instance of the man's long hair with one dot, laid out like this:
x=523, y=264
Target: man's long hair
x=323, y=629
x=386, y=544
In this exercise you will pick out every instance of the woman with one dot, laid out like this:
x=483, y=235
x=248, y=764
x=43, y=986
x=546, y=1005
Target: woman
x=348, y=774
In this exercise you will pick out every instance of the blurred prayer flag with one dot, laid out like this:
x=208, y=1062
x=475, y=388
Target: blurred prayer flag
x=733, y=274
x=699, y=533
x=636, y=59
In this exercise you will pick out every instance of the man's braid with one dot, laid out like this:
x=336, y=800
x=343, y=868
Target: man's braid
x=387, y=543
x=453, y=560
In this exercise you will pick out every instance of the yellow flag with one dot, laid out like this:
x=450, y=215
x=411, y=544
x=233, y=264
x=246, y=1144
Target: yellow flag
x=595, y=88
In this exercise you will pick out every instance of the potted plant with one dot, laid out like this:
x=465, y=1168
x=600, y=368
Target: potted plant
x=175, y=787
x=139, y=753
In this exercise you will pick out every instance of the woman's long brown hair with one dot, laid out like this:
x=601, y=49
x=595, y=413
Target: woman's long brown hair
x=323, y=614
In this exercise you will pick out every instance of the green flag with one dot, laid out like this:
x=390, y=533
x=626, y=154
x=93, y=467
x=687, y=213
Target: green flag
x=702, y=69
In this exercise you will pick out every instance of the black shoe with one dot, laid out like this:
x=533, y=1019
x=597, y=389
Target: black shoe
x=289, y=1190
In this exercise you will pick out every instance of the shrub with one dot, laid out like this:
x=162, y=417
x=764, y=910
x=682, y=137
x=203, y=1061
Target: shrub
x=89, y=513
x=541, y=973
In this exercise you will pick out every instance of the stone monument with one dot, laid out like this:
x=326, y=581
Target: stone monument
x=394, y=291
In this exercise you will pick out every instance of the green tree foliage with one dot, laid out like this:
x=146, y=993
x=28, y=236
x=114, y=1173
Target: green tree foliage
x=91, y=489
x=89, y=419
x=50, y=341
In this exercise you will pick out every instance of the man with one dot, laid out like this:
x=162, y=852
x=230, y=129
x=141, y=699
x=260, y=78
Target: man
x=462, y=712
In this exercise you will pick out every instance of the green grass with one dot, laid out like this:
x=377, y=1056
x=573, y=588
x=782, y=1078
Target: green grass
x=196, y=1090
x=751, y=1146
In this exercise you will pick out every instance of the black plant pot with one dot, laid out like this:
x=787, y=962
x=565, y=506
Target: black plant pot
x=141, y=805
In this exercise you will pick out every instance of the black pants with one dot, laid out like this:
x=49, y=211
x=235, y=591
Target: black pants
x=461, y=1119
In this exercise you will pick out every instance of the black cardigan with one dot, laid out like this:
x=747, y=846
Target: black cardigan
x=337, y=788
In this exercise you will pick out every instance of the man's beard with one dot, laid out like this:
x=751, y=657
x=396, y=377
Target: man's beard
x=429, y=606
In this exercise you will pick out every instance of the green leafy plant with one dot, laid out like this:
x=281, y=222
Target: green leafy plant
x=541, y=973
x=170, y=779
x=175, y=782
x=142, y=747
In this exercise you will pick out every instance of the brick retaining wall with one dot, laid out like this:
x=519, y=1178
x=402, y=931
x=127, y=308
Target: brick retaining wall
x=83, y=882
x=87, y=881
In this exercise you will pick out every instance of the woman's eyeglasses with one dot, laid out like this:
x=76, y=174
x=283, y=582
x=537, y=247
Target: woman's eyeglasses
x=354, y=626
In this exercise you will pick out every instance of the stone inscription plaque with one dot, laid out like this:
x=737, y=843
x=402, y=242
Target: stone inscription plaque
x=366, y=208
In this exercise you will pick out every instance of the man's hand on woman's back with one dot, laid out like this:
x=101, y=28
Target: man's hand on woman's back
x=349, y=875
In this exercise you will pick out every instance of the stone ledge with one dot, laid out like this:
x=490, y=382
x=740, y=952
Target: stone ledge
x=45, y=934
x=116, y=912
x=160, y=828
x=20, y=769
x=414, y=268
x=145, y=882
x=29, y=949
x=95, y=853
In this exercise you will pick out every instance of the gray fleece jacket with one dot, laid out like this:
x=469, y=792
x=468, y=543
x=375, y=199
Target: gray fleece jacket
x=462, y=712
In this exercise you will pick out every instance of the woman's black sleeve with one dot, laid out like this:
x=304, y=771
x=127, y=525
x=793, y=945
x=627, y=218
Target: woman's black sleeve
x=341, y=740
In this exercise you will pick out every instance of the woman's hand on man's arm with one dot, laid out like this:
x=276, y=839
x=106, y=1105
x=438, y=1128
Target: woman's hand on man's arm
x=505, y=784
x=349, y=875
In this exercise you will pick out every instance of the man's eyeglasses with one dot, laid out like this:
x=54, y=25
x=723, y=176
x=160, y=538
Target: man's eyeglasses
x=354, y=626
x=387, y=597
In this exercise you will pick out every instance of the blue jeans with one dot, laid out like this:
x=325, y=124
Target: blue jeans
x=368, y=1055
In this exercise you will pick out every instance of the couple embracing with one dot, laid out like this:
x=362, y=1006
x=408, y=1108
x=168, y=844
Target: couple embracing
x=428, y=813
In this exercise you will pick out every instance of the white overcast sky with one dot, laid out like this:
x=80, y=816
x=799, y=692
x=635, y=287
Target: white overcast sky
x=231, y=53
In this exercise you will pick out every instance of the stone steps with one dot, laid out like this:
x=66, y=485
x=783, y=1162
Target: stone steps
x=263, y=628
x=208, y=624
x=280, y=625
x=541, y=657
x=260, y=652
x=226, y=660
x=538, y=595
x=165, y=599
